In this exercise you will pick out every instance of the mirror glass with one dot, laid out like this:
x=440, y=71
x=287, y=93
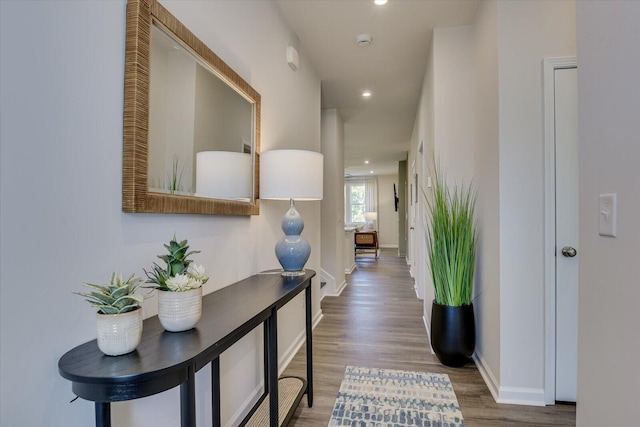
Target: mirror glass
x=200, y=128
x=191, y=134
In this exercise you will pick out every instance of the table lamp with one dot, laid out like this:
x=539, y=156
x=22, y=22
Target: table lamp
x=291, y=175
x=223, y=175
x=371, y=218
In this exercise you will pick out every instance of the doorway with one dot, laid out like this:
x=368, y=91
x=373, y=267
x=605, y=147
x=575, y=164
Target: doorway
x=561, y=230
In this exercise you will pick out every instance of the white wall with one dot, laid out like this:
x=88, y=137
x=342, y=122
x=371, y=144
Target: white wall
x=487, y=283
x=387, y=222
x=486, y=97
x=61, y=74
x=333, y=247
x=528, y=32
x=453, y=99
x=609, y=107
x=445, y=126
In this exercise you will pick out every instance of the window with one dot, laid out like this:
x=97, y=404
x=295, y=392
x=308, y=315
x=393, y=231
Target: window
x=354, y=202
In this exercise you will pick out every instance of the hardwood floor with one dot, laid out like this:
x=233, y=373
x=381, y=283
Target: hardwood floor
x=377, y=322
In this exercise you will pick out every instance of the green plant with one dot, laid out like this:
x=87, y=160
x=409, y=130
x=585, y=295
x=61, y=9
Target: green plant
x=451, y=240
x=179, y=274
x=175, y=176
x=116, y=297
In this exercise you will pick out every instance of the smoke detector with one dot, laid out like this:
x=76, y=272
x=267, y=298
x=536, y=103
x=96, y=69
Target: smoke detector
x=364, y=40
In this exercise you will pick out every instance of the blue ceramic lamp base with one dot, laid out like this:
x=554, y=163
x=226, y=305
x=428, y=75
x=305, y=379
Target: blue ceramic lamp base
x=292, y=250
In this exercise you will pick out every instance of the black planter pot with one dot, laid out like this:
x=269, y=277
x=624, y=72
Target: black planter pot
x=453, y=333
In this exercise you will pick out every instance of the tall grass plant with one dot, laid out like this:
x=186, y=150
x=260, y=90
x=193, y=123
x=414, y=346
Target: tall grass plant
x=451, y=240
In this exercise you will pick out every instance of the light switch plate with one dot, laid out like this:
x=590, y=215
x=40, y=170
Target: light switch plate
x=607, y=212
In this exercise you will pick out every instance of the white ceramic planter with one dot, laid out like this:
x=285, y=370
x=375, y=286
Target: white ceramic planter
x=119, y=333
x=179, y=311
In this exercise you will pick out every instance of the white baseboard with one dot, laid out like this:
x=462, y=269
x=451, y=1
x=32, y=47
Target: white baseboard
x=337, y=292
x=329, y=280
x=290, y=352
x=487, y=375
x=246, y=406
x=388, y=245
x=350, y=269
x=331, y=287
x=522, y=396
x=428, y=329
x=283, y=362
x=508, y=395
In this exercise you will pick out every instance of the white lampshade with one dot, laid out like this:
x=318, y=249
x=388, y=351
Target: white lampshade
x=223, y=175
x=291, y=174
x=371, y=216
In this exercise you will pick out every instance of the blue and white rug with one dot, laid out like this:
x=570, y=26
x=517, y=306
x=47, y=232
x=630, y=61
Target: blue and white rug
x=371, y=397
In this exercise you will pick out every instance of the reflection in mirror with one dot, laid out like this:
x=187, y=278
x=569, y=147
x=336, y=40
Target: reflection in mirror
x=223, y=175
x=193, y=112
x=184, y=111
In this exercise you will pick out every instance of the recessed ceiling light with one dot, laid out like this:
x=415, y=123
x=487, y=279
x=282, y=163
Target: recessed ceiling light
x=366, y=93
x=370, y=171
x=366, y=162
x=380, y=2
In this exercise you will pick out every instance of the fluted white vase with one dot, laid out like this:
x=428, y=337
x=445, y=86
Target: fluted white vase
x=119, y=333
x=179, y=311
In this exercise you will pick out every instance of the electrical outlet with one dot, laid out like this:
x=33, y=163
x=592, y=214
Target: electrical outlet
x=607, y=214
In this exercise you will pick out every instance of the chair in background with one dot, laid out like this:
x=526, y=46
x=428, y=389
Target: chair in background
x=366, y=242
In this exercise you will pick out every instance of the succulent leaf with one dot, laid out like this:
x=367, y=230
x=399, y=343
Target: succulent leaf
x=118, y=296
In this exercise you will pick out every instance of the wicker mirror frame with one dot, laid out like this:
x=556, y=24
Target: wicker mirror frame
x=136, y=197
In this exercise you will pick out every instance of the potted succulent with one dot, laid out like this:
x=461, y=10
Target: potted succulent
x=179, y=287
x=119, y=316
x=451, y=241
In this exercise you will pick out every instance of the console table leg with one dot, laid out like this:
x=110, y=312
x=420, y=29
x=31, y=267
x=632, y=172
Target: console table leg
x=188, y=400
x=309, y=331
x=215, y=392
x=103, y=414
x=265, y=358
x=273, y=369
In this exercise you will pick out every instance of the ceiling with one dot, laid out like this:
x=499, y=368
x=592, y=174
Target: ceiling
x=377, y=129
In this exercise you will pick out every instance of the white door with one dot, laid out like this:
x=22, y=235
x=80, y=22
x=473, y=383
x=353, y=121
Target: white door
x=567, y=252
x=414, y=244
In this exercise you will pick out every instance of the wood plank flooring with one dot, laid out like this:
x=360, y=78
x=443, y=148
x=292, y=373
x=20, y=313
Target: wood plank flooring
x=377, y=323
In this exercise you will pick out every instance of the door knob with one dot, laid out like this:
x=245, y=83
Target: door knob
x=569, y=252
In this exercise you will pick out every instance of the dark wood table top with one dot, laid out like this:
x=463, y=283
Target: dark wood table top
x=162, y=359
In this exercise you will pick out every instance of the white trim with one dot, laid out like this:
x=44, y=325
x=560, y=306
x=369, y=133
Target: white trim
x=283, y=362
x=521, y=396
x=487, y=375
x=388, y=245
x=350, y=269
x=507, y=395
x=330, y=282
x=243, y=410
x=330, y=288
x=549, y=66
x=428, y=329
x=290, y=353
x=337, y=292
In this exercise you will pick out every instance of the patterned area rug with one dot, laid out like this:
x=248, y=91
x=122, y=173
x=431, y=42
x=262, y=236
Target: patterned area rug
x=392, y=398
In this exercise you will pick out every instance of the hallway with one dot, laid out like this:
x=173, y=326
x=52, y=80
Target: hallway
x=377, y=322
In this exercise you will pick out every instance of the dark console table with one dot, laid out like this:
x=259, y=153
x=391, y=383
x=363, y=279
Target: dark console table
x=164, y=360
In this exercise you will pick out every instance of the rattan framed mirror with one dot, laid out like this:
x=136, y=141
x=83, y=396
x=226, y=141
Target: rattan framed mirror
x=144, y=189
